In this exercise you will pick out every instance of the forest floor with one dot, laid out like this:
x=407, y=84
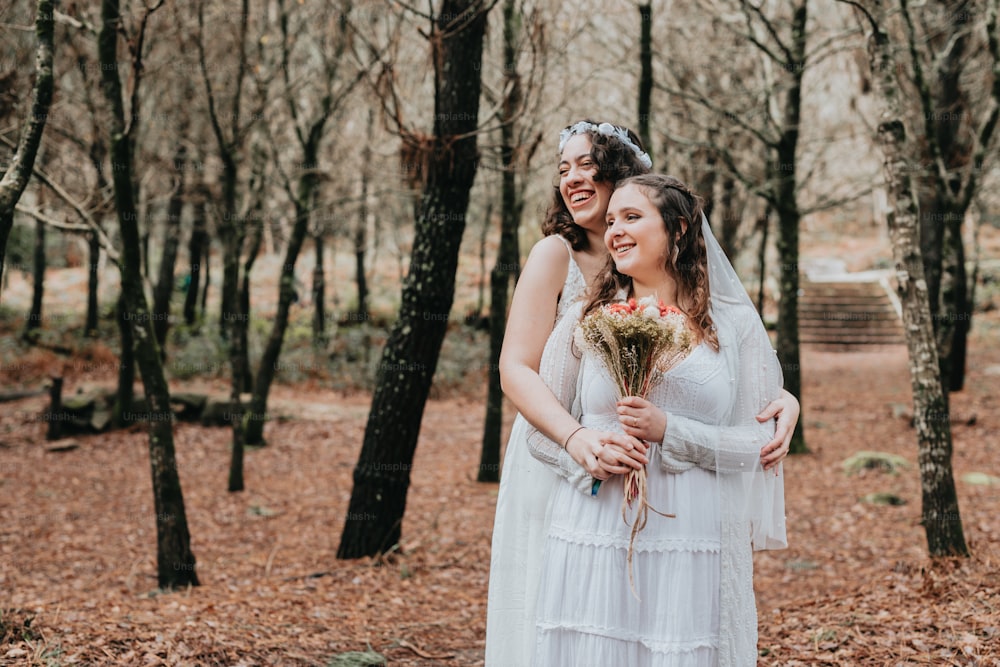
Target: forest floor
x=855, y=587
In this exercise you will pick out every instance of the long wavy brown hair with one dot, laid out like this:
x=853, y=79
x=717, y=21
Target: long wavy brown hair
x=687, y=258
x=614, y=161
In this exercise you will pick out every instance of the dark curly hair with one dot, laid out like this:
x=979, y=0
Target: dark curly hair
x=687, y=257
x=614, y=161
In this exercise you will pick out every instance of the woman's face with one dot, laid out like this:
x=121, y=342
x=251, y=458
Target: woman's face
x=636, y=236
x=586, y=199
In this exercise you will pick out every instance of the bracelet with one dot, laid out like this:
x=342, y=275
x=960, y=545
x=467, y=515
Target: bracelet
x=575, y=431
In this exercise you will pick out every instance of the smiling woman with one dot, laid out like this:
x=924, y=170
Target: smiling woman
x=555, y=276
x=696, y=434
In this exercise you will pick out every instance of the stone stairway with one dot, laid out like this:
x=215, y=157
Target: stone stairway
x=843, y=315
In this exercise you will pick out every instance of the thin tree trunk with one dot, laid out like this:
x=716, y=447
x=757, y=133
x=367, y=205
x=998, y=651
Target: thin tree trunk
x=93, y=282
x=231, y=233
x=207, y=265
x=15, y=178
x=764, y=225
x=729, y=216
x=784, y=173
x=125, y=396
x=403, y=381
x=238, y=360
x=241, y=321
x=361, y=232
x=34, y=319
x=963, y=308
x=319, y=292
x=707, y=175
x=197, y=256
x=645, y=74
x=940, y=514
x=171, y=239
x=476, y=317
x=254, y=427
x=175, y=562
x=508, y=253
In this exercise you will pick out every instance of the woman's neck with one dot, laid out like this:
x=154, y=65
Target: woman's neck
x=664, y=290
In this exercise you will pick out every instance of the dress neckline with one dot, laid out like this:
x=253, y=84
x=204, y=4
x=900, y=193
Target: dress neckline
x=694, y=351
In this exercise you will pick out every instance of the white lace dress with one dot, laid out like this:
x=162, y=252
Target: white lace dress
x=519, y=531
x=693, y=573
x=587, y=614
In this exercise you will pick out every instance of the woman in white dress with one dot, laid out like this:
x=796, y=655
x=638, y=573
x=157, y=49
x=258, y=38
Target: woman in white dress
x=592, y=157
x=697, y=435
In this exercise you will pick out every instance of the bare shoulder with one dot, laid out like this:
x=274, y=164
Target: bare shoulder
x=551, y=248
x=547, y=261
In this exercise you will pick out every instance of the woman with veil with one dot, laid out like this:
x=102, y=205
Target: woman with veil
x=699, y=440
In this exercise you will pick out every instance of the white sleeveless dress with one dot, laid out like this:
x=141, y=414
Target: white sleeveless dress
x=519, y=530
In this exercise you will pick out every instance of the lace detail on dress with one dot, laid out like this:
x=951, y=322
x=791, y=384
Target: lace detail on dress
x=645, y=543
x=575, y=286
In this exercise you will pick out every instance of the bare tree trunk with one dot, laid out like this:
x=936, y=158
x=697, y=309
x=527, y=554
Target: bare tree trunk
x=125, y=396
x=382, y=475
x=941, y=519
x=254, y=427
x=729, y=216
x=175, y=562
x=238, y=360
x=645, y=74
x=508, y=254
x=786, y=206
x=319, y=292
x=241, y=321
x=361, y=231
x=93, y=281
x=764, y=225
x=474, y=318
x=15, y=178
x=34, y=319
x=197, y=256
x=171, y=239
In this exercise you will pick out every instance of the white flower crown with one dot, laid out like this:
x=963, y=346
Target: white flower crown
x=606, y=129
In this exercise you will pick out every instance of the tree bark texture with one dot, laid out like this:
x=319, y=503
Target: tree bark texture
x=34, y=319
x=941, y=520
x=15, y=179
x=175, y=562
x=508, y=253
x=197, y=255
x=783, y=172
x=645, y=74
x=241, y=318
x=93, y=282
x=361, y=232
x=125, y=397
x=319, y=291
x=403, y=380
x=164, y=289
